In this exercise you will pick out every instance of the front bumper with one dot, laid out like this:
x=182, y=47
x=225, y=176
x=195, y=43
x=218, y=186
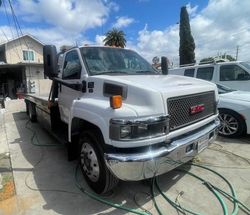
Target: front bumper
x=138, y=166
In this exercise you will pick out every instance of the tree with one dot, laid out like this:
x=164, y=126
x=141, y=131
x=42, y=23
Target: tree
x=217, y=59
x=187, y=45
x=115, y=37
x=207, y=60
x=228, y=57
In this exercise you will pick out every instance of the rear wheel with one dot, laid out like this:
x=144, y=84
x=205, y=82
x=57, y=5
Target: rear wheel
x=232, y=124
x=92, y=163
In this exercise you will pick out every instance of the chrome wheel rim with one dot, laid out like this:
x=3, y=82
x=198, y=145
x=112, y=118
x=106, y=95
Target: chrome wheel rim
x=229, y=124
x=89, y=162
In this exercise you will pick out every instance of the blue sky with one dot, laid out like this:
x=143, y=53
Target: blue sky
x=151, y=26
x=157, y=14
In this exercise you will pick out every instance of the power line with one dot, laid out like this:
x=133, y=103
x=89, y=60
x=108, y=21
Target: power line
x=16, y=22
x=6, y=13
x=17, y=25
x=9, y=23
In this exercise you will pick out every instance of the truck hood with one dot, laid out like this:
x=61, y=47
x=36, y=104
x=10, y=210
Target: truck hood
x=237, y=95
x=164, y=83
x=147, y=94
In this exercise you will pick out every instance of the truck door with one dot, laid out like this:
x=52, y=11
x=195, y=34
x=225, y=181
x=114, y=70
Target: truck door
x=235, y=77
x=71, y=73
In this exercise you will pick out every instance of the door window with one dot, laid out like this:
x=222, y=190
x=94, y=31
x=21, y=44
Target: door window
x=233, y=73
x=205, y=73
x=72, y=66
x=189, y=72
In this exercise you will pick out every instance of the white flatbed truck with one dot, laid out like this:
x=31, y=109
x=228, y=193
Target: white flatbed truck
x=120, y=117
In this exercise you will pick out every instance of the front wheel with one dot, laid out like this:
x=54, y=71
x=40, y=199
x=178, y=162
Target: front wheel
x=232, y=124
x=92, y=163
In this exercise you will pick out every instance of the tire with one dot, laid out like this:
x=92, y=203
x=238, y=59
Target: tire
x=32, y=112
x=27, y=108
x=92, y=163
x=232, y=124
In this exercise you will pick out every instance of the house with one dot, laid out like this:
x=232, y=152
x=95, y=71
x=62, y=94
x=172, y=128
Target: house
x=21, y=66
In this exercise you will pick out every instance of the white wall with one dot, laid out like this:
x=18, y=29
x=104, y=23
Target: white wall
x=14, y=50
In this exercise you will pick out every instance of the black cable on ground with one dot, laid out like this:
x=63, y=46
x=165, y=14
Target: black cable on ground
x=90, y=194
x=178, y=203
x=153, y=197
x=222, y=150
x=235, y=211
x=139, y=205
x=212, y=188
x=34, y=136
x=37, y=163
x=104, y=201
x=172, y=203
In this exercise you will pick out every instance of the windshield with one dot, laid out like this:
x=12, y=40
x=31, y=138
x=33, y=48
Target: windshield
x=224, y=89
x=115, y=61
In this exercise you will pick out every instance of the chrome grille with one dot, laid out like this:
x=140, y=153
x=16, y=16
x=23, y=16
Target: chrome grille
x=179, y=109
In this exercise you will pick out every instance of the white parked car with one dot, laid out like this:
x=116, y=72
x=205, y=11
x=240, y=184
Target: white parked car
x=234, y=109
x=235, y=74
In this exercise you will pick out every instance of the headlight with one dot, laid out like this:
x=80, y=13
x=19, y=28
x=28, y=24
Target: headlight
x=137, y=129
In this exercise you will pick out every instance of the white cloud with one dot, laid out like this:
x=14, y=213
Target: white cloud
x=191, y=10
x=218, y=28
x=123, y=21
x=99, y=39
x=69, y=15
x=47, y=36
x=66, y=20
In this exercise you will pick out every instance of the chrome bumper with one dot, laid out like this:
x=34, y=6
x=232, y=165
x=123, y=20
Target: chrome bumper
x=138, y=166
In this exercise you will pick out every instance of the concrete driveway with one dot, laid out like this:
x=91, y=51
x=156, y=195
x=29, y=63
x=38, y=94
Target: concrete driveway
x=45, y=182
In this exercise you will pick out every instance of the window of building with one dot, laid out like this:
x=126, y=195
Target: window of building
x=72, y=66
x=205, y=73
x=189, y=72
x=28, y=55
x=233, y=73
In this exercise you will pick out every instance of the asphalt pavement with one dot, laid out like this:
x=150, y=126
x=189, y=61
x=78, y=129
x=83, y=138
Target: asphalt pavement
x=45, y=180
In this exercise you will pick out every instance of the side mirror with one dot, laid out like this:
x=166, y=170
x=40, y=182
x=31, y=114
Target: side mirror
x=164, y=65
x=50, y=61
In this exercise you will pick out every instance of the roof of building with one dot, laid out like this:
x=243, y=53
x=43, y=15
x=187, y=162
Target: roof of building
x=6, y=65
x=25, y=35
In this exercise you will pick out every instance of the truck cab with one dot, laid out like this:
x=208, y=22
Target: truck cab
x=124, y=119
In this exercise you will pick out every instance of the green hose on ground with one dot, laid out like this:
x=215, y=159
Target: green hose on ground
x=153, y=197
x=231, y=198
x=104, y=201
x=172, y=202
x=236, y=208
x=213, y=188
x=34, y=136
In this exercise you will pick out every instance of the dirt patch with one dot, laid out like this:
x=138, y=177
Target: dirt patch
x=8, y=186
x=18, y=205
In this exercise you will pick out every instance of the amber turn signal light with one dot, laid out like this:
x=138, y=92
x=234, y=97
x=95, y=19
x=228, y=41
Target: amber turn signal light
x=115, y=102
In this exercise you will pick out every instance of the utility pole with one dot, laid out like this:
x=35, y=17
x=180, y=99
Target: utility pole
x=237, y=52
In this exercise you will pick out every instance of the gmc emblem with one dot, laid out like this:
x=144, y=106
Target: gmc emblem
x=197, y=109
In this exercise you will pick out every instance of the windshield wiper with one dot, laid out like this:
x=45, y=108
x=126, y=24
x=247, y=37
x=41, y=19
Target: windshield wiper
x=111, y=72
x=145, y=71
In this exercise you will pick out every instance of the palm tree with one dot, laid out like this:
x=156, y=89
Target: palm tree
x=115, y=37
